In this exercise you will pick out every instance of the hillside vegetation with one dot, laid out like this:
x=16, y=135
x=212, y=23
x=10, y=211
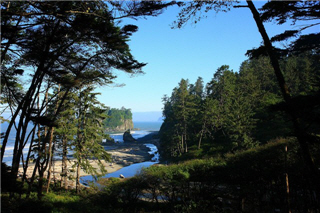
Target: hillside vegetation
x=246, y=141
x=118, y=120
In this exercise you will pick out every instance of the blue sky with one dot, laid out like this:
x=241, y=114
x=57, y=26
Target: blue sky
x=173, y=54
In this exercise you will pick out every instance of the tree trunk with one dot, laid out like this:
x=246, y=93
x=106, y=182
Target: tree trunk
x=64, y=163
x=200, y=139
x=43, y=165
x=38, y=162
x=5, y=139
x=79, y=139
x=39, y=158
x=201, y=134
x=185, y=141
x=3, y=54
x=30, y=183
x=287, y=183
x=25, y=166
x=182, y=144
x=35, y=166
x=298, y=130
x=51, y=143
x=39, y=166
x=24, y=105
x=78, y=178
x=243, y=204
x=50, y=159
x=18, y=146
x=185, y=137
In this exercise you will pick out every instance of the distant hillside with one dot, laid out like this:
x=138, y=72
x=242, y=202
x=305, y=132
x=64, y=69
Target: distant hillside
x=147, y=116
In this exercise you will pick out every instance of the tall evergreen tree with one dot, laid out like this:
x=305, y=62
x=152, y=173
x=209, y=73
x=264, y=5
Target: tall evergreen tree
x=300, y=10
x=65, y=133
x=90, y=133
x=67, y=42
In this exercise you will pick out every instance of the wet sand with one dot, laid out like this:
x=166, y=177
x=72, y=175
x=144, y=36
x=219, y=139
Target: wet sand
x=122, y=155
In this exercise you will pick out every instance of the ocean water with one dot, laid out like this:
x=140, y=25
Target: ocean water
x=148, y=126
x=7, y=157
x=128, y=171
x=144, y=129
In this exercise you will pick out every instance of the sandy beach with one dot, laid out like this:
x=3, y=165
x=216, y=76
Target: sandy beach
x=122, y=155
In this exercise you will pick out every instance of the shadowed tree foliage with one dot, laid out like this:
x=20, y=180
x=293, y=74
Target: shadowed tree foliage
x=64, y=134
x=241, y=110
x=67, y=43
x=90, y=114
x=300, y=10
x=306, y=12
x=238, y=117
x=256, y=129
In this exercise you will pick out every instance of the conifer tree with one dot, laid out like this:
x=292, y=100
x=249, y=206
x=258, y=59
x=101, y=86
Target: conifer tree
x=65, y=133
x=281, y=12
x=90, y=114
x=68, y=43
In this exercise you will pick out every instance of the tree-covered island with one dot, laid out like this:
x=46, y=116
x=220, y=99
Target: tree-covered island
x=118, y=120
x=246, y=141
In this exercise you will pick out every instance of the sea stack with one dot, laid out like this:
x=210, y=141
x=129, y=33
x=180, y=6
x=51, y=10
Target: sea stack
x=127, y=137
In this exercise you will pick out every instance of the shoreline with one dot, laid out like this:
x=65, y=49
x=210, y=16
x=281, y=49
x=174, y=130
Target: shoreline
x=122, y=155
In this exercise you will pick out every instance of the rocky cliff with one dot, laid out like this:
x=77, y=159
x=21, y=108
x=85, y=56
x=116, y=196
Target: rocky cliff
x=126, y=124
x=127, y=137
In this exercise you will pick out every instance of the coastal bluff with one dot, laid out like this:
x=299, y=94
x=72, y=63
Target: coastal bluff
x=118, y=120
x=124, y=125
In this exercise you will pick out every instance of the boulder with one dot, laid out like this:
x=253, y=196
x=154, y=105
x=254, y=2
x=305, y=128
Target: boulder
x=127, y=137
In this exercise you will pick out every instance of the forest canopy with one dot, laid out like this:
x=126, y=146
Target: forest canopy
x=237, y=110
x=53, y=55
x=246, y=141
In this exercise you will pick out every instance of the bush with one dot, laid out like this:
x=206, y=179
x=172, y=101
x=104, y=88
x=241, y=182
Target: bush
x=254, y=177
x=251, y=180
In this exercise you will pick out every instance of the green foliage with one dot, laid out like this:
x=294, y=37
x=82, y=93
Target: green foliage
x=59, y=201
x=10, y=87
x=239, y=110
x=254, y=177
x=90, y=114
x=80, y=130
x=117, y=117
x=60, y=43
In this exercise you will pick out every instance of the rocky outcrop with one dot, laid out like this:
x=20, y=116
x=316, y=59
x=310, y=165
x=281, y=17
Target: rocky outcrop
x=127, y=137
x=126, y=124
